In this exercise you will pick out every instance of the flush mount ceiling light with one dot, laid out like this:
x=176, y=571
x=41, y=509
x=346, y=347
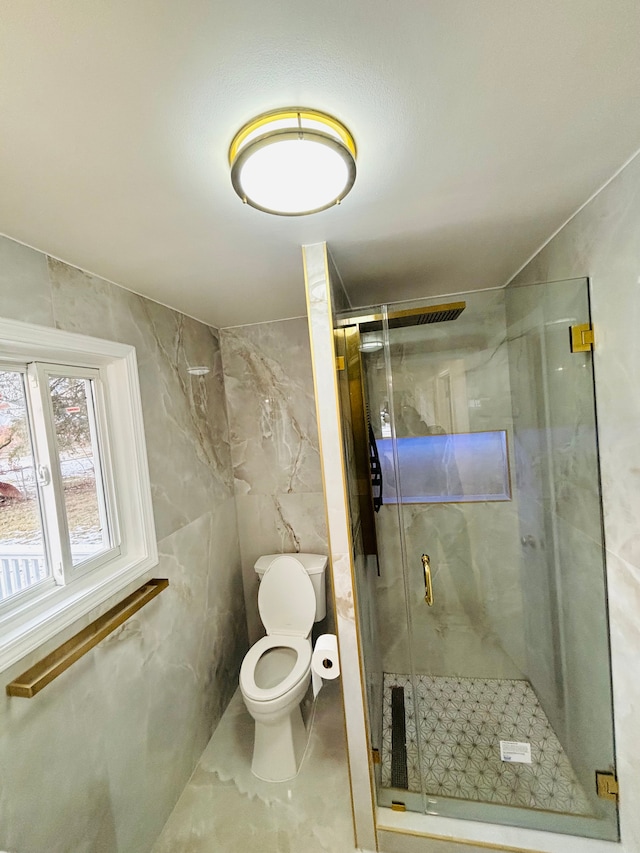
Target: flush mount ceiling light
x=292, y=162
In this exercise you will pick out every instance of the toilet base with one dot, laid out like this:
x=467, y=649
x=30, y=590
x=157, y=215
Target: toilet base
x=279, y=746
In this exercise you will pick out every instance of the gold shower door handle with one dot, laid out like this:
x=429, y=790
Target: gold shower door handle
x=428, y=588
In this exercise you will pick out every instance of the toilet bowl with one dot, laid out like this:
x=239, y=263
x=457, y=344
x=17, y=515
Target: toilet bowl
x=276, y=671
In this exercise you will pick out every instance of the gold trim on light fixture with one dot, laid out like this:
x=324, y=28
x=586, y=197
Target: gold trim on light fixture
x=286, y=125
x=290, y=113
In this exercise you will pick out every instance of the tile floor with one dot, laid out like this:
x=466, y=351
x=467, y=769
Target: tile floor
x=460, y=724
x=225, y=809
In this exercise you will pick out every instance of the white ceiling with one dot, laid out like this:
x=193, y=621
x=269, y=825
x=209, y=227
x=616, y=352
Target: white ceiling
x=481, y=126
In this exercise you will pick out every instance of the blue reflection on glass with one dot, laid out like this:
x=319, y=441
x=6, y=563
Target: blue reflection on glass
x=447, y=468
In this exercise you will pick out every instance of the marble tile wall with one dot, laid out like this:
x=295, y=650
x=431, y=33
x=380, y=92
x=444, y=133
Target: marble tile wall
x=532, y=474
x=98, y=759
x=556, y=465
x=474, y=628
x=274, y=448
x=603, y=242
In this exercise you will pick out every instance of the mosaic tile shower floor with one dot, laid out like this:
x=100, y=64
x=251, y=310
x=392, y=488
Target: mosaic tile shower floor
x=461, y=722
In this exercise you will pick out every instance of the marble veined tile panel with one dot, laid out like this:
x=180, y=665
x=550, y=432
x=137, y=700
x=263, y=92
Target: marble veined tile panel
x=106, y=749
x=185, y=416
x=25, y=290
x=168, y=673
x=475, y=625
x=603, y=242
x=225, y=807
x=54, y=785
x=272, y=414
x=273, y=524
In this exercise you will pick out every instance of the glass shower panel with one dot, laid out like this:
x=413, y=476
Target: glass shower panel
x=484, y=422
x=556, y=463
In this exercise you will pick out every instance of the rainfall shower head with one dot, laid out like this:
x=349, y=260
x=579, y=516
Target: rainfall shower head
x=412, y=316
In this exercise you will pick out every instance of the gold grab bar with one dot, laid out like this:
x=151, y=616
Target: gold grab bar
x=56, y=662
x=428, y=587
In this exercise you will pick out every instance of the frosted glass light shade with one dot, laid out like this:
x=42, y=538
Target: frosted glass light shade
x=293, y=162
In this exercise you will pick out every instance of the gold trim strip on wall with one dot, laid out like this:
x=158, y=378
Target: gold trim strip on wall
x=56, y=662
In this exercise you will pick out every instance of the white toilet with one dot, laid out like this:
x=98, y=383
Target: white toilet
x=276, y=671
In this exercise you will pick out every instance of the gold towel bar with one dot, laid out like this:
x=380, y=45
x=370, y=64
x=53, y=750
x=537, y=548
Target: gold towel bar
x=42, y=673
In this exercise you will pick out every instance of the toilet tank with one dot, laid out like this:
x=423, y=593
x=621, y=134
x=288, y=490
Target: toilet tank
x=315, y=565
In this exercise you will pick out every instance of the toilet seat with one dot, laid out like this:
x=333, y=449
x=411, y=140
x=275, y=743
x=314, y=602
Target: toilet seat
x=300, y=669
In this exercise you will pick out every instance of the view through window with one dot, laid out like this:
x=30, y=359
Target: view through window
x=23, y=560
x=74, y=523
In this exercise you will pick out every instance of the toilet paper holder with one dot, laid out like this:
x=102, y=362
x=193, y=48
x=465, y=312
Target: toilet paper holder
x=325, y=661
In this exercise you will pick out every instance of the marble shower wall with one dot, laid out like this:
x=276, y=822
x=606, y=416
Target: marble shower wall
x=274, y=448
x=474, y=628
x=104, y=752
x=556, y=463
x=603, y=242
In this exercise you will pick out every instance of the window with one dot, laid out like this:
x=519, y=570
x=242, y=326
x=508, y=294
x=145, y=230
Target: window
x=76, y=525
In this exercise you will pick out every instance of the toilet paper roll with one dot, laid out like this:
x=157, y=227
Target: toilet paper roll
x=325, y=663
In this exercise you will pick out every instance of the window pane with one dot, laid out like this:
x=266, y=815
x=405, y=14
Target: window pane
x=22, y=552
x=77, y=439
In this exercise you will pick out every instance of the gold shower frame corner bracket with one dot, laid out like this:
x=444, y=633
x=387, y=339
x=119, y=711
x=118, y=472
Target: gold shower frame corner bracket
x=607, y=785
x=582, y=338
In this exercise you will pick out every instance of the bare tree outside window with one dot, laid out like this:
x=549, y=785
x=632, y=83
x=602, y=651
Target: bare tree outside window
x=74, y=419
x=22, y=551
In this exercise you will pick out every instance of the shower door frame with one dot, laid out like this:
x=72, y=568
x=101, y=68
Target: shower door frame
x=424, y=802
x=323, y=290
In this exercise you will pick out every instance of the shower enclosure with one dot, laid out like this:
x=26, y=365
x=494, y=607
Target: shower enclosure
x=471, y=452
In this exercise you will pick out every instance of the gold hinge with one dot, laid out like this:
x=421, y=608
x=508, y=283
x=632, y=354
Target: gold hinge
x=582, y=339
x=340, y=362
x=607, y=786
x=375, y=755
x=397, y=806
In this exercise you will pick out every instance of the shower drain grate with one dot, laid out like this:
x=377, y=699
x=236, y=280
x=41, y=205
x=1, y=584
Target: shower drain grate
x=399, y=774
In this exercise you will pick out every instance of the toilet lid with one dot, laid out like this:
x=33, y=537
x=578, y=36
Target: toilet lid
x=286, y=598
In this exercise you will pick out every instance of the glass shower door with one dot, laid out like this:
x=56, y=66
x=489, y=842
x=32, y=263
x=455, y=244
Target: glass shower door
x=491, y=598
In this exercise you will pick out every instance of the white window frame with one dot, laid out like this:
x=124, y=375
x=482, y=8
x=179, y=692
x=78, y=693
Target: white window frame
x=35, y=617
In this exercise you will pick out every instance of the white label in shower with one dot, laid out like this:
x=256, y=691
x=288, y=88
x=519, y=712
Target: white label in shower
x=512, y=750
